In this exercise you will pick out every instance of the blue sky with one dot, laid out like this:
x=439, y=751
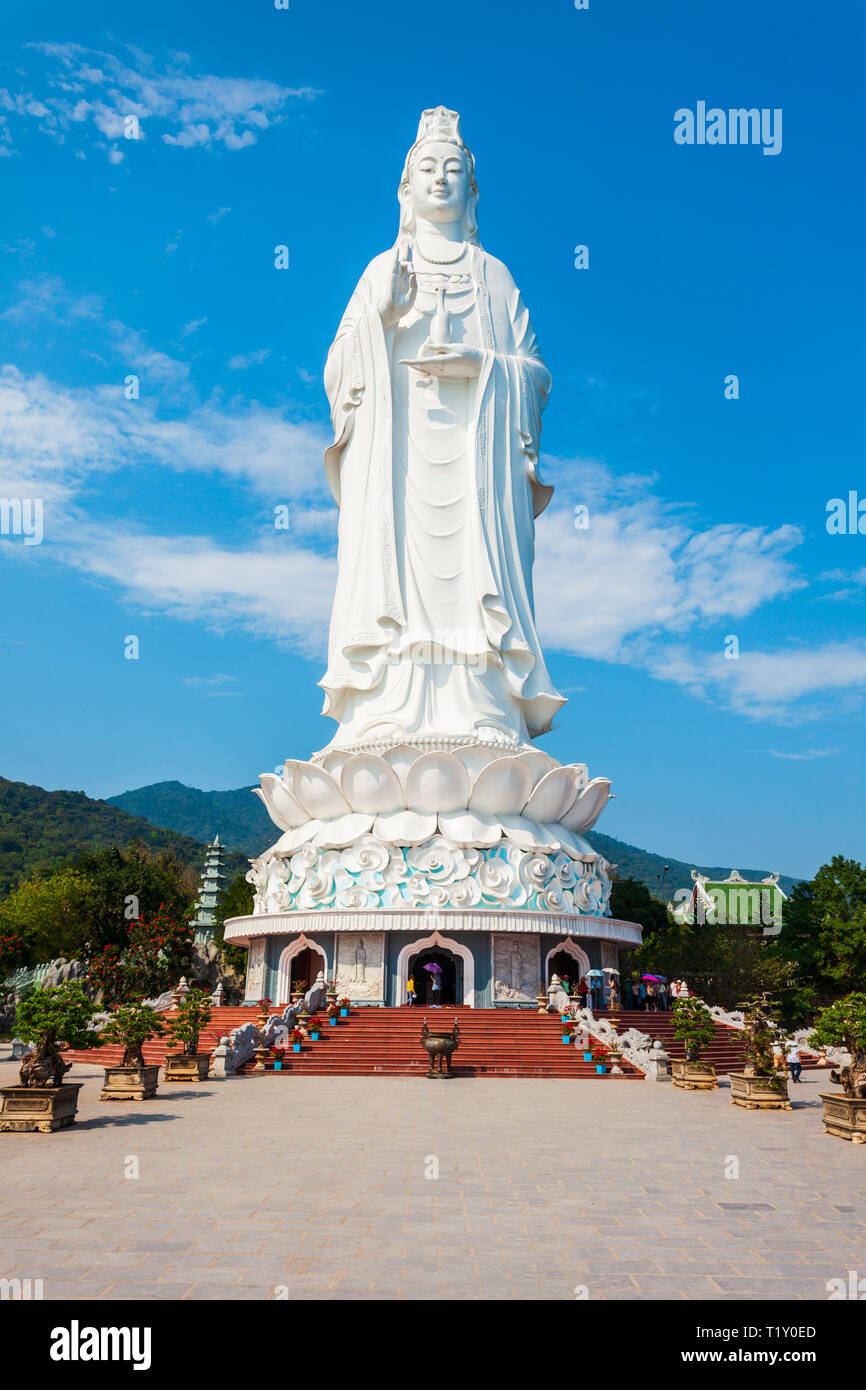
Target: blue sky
x=154, y=257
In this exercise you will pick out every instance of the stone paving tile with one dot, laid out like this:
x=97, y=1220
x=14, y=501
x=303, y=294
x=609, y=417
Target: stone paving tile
x=625, y=1193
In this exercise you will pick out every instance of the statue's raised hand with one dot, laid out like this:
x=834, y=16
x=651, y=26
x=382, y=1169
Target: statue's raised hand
x=403, y=287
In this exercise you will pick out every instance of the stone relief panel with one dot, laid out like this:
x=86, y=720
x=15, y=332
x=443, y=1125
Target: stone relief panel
x=609, y=955
x=360, y=971
x=256, y=969
x=515, y=968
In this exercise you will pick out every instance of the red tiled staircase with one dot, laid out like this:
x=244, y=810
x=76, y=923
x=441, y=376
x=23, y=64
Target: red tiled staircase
x=493, y=1042
x=387, y=1042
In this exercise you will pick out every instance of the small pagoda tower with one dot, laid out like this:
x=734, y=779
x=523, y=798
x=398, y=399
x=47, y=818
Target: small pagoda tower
x=212, y=883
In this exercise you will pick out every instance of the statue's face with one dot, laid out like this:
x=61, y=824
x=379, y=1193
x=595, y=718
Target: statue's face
x=439, y=183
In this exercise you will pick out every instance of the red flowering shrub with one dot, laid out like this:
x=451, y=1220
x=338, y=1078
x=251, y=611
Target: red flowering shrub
x=157, y=953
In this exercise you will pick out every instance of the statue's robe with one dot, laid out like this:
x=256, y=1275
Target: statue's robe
x=504, y=426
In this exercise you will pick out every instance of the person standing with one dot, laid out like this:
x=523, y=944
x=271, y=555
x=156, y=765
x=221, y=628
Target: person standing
x=436, y=985
x=582, y=991
x=663, y=998
x=410, y=990
x=641, y=990
x=651, y=1001
x=795, y=1066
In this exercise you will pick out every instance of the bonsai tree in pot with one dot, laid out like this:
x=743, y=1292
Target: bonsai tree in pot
x=760, y=1086
x=193, y=1014
x=130, y=1028
x=693, y=1026
x=843, y=1024
x=50, y=1019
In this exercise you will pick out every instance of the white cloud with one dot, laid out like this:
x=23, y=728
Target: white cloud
x=644, y=567
x=242, y=360
x=638, y=587
x=807, y=756
x=767, y=684
x=84, y=93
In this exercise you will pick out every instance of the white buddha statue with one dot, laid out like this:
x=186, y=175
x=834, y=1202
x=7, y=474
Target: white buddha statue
x=436, y=389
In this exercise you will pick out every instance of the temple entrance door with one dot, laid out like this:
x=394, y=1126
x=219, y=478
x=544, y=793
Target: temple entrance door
x=563, y=964
x=451, y=978
x=305, y=967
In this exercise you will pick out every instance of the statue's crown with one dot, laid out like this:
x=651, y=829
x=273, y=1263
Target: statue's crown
x=439, y=124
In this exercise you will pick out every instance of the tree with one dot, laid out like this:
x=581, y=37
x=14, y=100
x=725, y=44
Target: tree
x=88, y=904
x=693, y=1025
x=157, y=953
x=49, y=1018
x=51, y=917
x=130, y=1027
x=235, y=901
x=630, y=901
x=839, y=896
x=193, y=1014
x=843, y=1024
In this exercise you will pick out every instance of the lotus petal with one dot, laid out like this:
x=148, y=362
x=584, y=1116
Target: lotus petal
x=437, y=782
x=333, y=762
x=282, y=807
x=538, y=763
x=580, y=779
x=293, y=839
x=528, y=834
x=404, y=827
x=475, y=757
x=588, y=806
x=571, y=843
x=469, y=828
x=553, y=795
x=502, y=787
x=370, y=784
x=401, y=759
x=343, y=831
x=317, y=791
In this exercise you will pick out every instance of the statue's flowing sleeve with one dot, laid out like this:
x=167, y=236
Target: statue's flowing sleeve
x=367, y=603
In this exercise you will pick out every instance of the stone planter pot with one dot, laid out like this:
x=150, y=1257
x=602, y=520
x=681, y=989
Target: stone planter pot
x=40, y=1108
x=694, y=1076
x=759, y=1092
x=844, y=1116
x=129, y=1083
x=192, y=1068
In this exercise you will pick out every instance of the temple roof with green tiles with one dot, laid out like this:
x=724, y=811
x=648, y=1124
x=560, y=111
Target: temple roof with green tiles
x=733, y=900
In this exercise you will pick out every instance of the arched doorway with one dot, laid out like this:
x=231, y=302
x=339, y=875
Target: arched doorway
x=566, y=967
x=449, y=977
x=299, y=965
x=454, y=948
x=566, y=958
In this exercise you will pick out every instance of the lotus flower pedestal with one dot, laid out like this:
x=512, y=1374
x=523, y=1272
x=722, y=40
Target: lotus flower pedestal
x=466, y=848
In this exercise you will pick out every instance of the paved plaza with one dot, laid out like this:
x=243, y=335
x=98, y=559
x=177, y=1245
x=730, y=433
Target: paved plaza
x=324, y=1188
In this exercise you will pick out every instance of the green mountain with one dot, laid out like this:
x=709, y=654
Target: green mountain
x=40, y=829
x=243, y=824
x=238, y=817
